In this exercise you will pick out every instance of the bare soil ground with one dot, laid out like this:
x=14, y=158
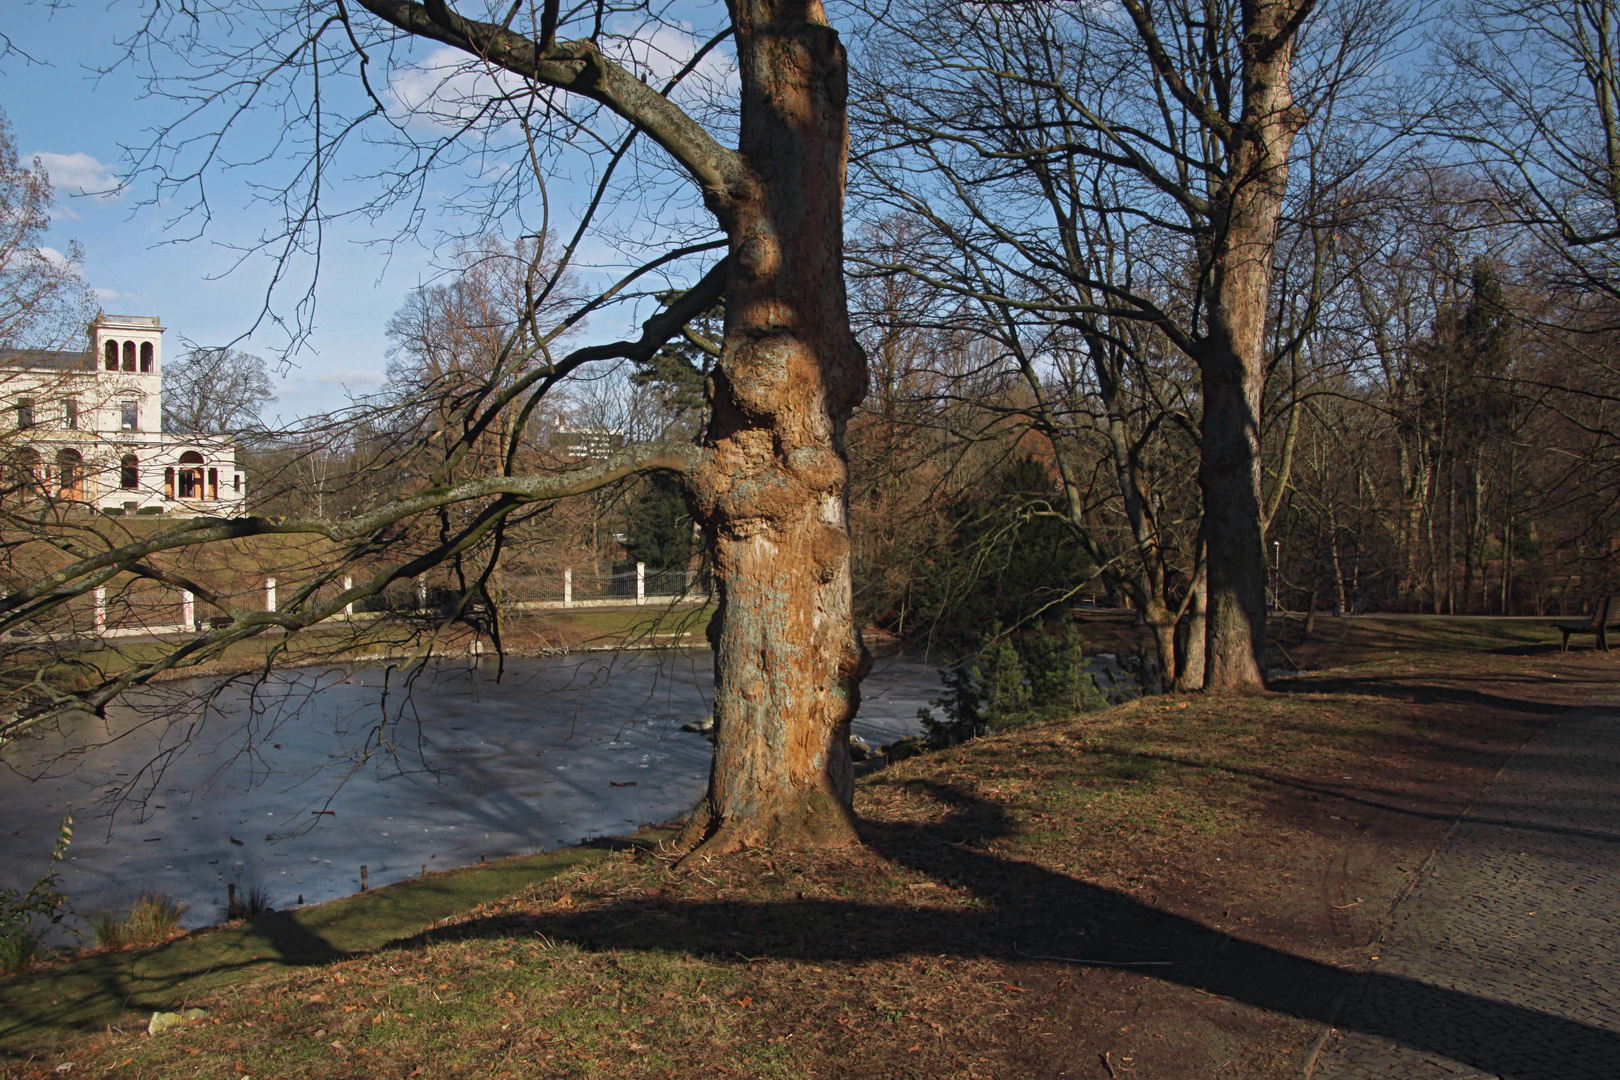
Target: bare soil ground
x=1178, y=887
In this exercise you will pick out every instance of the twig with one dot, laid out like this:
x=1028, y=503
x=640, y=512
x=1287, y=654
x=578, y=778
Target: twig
x=1109, y=1065
x=1094, y=963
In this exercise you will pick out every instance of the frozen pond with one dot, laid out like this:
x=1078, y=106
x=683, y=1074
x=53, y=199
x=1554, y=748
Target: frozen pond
x=297, y=783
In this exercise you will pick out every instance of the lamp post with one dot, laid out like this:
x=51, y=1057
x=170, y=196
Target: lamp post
x=1276, y=575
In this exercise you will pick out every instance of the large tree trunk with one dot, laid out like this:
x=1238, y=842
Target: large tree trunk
x=1233, y=361
x=1229, y=474
x=771, y=489
x=1193, y=646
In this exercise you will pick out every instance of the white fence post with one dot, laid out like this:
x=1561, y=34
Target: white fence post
x=641, y=583
x=188, y=610
x=269, y=594
x=348, y=609
x=568, y=587
x=100, y=615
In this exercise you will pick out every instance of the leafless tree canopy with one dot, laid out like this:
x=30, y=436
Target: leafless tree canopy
x=215, y=391
x=44, y=302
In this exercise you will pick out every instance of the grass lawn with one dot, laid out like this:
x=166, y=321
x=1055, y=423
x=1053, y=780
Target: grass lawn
x=339, y=643
x=1177, y=887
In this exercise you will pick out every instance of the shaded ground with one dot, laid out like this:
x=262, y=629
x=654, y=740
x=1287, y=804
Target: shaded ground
x=1519, y=906
x=1174, y=888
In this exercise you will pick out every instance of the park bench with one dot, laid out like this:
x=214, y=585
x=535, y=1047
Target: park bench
x=1604, y=614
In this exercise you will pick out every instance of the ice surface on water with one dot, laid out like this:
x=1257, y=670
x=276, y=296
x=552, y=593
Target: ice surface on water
x=462, y=767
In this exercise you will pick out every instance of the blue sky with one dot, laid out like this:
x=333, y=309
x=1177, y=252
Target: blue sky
x=80, y=123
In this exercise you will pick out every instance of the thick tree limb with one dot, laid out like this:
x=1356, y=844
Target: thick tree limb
x=579, y=67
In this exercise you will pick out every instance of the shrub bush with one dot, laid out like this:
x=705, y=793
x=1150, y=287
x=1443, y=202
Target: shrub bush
x=18, y=951
x=154, y=918
x=21, y=911
x=1012, y=682
x=245, y=903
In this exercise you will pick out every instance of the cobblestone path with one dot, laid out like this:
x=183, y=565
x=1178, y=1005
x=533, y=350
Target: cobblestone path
x=1505, y=959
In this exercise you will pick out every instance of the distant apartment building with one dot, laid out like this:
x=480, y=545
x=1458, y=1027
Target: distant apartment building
x=588, y=444
x=86, y=429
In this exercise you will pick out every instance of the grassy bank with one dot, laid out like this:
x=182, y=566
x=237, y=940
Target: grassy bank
x=39, y=1009
x=537, y=633
x=1221, y=866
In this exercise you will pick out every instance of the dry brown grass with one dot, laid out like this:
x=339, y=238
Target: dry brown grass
x=1252, y=846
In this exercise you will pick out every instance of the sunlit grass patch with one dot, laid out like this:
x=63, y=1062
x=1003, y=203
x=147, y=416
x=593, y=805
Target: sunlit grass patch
x=480, y=1007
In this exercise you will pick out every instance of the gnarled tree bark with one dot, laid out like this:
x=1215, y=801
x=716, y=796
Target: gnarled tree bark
x=771, y=488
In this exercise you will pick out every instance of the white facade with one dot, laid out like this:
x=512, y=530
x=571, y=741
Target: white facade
x=87, y=428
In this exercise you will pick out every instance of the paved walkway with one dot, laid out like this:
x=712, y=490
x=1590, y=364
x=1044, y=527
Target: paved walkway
x=1504, y=962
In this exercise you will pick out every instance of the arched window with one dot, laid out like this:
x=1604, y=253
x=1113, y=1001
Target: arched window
x=112, y=355
x=191, y=475
x=70, y=474
x=146, y=356
x=129, y=472
x=26, y=471
x=129, y=356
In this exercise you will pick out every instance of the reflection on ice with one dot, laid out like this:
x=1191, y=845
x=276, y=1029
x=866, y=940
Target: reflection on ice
x=294, y=784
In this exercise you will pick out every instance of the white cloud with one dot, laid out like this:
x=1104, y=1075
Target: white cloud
x=80, y=174
x=447, y=88
x=659, y=56
x=107, y=296
x=54, y=257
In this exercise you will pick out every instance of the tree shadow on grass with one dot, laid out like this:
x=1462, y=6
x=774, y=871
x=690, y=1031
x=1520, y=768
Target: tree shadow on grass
x=1027, y=912
x=1421, y=690
x=1384, y=800
x=38, y=1007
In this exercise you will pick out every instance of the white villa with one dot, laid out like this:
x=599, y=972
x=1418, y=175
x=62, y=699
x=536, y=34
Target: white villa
x=86, y=428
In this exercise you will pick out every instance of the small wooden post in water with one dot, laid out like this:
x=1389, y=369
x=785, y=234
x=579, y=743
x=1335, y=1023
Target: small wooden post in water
x=362, y=877
x=231, y=909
